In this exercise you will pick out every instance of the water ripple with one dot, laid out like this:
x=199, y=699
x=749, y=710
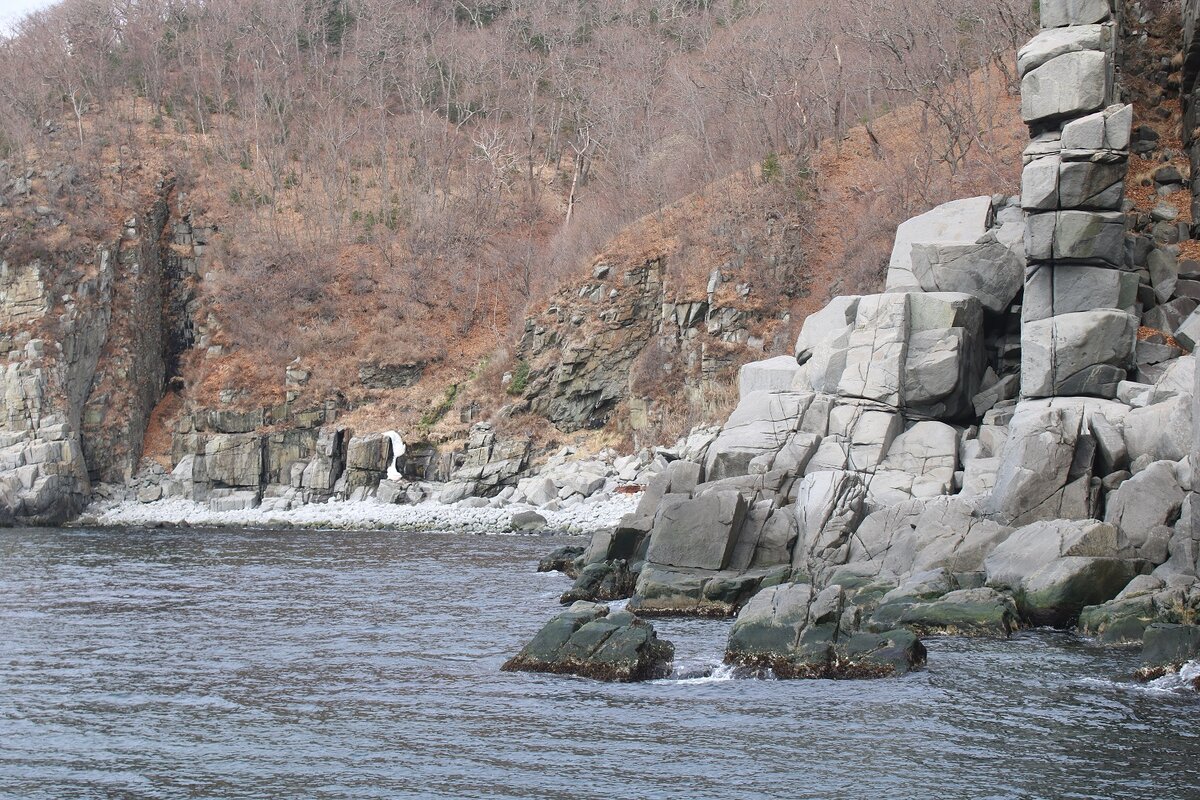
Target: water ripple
x=230, y=664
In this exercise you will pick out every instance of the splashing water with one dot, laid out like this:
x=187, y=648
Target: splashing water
x=1187, y=679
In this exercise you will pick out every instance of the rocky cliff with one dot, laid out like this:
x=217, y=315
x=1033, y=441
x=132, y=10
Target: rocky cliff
x=91, y=343
x=918, y=469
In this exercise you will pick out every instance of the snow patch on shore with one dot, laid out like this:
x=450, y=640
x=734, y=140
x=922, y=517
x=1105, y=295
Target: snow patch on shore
x=357, y=515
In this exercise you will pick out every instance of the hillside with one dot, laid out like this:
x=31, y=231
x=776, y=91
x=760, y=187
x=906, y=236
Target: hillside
x=360, y=236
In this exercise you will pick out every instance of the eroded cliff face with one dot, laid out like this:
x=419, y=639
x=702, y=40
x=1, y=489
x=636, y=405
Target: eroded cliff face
x=157, y=264
x=90, y=337
x=579, y=351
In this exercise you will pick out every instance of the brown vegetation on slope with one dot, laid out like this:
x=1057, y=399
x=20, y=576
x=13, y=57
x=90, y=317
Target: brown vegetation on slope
x=400, y=180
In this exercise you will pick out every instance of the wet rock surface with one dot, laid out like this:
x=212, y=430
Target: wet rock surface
x=589, y=641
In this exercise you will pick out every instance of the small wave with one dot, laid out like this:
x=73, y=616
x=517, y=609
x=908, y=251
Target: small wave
x=707, y=673
x=1106, y=684
x=1187, y=679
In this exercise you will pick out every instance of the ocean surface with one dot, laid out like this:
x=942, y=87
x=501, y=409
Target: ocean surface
x=248, y=664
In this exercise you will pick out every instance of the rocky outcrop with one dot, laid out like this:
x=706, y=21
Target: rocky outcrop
x=589, y=641
x=797, y=632
x=90, y=344
x=576, y=363
x=907, y=471
x=131, y=374
x=488, y=465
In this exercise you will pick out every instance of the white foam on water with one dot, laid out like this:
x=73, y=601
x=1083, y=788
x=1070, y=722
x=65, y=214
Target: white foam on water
x=701, y=673
x=1170, y=684
x=1177, y=681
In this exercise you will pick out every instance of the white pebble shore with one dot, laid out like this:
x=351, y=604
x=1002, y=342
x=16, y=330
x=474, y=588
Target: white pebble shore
x=583, y=518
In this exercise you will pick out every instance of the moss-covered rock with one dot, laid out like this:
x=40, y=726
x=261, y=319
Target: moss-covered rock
x=795, y=631
x=608, y=580
x=1056, y=594
x=586, y=640
x=562, y=560
x=966, y=612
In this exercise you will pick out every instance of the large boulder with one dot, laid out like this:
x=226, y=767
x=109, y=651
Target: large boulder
x=1160, y=432
x=920, y=463
x=1151, y=498
x=1057, y=593
x=1045, y=469
x=919, y=535
x=835, y=318
x=606, y=580
x=1060, y=13
x=587, y=640
x=770, y=375
x=829, y=506
x=1144, y=601
x=1056, y=568
x=986, y=269
x=1052, y=43
x=1068, y=85
x=964, y=612
x=762, y=423
x=668, y=592
x=697, y=532
x=234, y=459
x=1032, y=547
x=957, y=222
x=918, y=351
x=1054, y=289
x=1169, y=645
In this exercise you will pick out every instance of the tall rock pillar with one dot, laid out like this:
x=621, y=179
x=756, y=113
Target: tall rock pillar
x=1078, y=331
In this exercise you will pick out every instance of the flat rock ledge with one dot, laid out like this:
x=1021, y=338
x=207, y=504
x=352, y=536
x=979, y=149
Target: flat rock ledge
x=586, y=640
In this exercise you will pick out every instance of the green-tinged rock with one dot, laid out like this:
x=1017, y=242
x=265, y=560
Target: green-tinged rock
x=796, y=632
x=1168, y=645
x=668, y=592
x=877, y=655
x=562, y=560
x=586, y=640
x=887, y=616
x=723, y=595
x=966, y=612
x=1056, y=594
x=608, y=580
x=1120, y=621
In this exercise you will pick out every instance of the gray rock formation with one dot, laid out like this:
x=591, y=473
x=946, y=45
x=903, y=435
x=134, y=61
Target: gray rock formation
x=796, y=631
x=587, y=640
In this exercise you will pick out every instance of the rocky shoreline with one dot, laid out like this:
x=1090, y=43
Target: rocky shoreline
x=1005, y=438
x=586, y=518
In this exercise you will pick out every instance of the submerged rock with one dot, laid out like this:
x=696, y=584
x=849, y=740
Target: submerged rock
x=588, y=641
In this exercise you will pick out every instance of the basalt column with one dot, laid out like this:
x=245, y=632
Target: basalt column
x=1078, y=332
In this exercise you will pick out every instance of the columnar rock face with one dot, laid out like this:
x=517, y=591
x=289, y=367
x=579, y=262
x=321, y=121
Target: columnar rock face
x=1079, y=324
x=1190, y=93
